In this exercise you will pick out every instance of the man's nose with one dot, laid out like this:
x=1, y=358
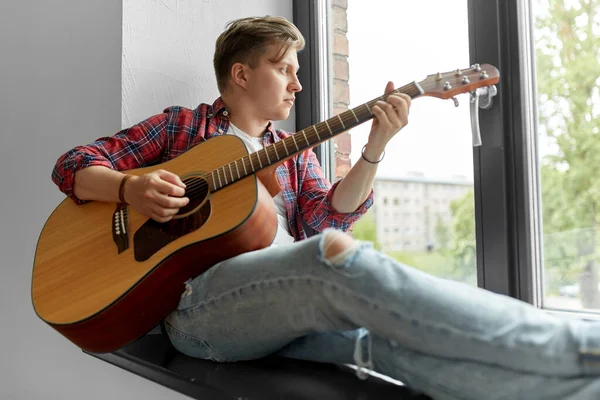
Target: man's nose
x=295, y=85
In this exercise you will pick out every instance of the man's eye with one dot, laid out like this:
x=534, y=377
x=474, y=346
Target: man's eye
x=284, y=70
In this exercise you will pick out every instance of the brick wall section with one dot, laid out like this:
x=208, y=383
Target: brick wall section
x=341, y=89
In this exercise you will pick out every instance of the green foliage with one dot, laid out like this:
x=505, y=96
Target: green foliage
x=365, y=229
x=568, y=74
x=442, y=233
x=438, y=263
x=462, y=246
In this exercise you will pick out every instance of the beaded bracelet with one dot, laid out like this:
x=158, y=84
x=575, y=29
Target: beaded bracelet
x=362, y=154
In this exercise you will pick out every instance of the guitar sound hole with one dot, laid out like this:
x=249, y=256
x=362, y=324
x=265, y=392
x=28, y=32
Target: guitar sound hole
x=197, y=191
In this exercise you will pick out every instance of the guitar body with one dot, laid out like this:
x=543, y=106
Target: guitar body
x=104, y=275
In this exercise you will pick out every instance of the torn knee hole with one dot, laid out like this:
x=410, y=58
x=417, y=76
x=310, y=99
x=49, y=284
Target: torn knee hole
x=337, y=246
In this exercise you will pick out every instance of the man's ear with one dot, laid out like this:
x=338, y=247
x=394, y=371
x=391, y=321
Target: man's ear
x=239, y=74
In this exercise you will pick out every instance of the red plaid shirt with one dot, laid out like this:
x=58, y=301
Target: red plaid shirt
x=162, y=137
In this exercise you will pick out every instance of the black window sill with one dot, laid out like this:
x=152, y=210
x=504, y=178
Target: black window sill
x=153, y=357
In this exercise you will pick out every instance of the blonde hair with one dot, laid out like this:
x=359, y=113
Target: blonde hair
x=246, y=39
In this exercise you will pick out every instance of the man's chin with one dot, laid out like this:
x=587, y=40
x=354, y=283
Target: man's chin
x=281, y=116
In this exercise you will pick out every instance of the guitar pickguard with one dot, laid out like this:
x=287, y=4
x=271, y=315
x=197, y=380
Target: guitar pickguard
x=152, y=235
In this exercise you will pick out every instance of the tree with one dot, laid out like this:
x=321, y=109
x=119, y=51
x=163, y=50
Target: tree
x=365, y=229
x=442, y=233
x=462, y=245
x=568, y=71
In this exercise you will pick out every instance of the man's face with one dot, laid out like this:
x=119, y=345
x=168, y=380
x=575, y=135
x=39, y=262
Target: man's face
x=272, y=86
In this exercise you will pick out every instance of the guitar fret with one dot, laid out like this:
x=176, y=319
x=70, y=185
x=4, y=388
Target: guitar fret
x=330, y=131
x=258, y=158
x=266, y=149
x=305, y=138
x=295, y=143
x=317, y=132
x=354, y=115
x=251, y=163
x=237, y=169
x=231, y=172
x=244, y=164
x=225, y=176
x=212, y=174
x=287, y=153
x=276, y=153
x=219, y=175
x=368, y=108
x=342, y=122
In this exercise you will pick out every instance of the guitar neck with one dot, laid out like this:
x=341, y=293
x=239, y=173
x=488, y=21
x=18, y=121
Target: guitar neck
x=300, y=141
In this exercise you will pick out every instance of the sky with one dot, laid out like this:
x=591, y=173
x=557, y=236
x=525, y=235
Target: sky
x=404, y=41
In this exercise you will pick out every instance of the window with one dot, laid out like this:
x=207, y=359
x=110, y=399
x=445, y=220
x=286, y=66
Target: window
x=425, y=157
x=567, y=74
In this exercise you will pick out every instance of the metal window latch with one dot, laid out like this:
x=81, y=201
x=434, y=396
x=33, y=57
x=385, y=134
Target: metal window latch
x=480, y=98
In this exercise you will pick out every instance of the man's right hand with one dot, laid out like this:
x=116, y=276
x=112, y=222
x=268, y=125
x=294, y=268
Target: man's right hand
x=157, y=195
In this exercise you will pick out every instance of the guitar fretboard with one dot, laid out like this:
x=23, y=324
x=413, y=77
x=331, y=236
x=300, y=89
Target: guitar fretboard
x=299, y=142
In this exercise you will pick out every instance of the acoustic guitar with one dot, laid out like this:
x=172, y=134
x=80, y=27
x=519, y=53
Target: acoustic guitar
x=105, y=275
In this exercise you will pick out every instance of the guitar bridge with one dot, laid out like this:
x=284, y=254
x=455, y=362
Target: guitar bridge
x=120, y=227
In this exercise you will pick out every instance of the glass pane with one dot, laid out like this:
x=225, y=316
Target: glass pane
x=424, y=208
x=567, y=41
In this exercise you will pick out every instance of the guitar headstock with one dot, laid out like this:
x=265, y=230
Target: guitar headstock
x=448, y=84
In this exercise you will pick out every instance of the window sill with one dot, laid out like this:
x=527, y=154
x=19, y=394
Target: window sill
x=154, y=358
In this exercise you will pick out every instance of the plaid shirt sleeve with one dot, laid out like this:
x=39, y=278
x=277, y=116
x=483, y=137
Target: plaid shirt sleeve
x=315, y=197
x=134, y=147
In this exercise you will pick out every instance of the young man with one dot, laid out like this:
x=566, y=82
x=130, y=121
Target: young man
x=327, y=298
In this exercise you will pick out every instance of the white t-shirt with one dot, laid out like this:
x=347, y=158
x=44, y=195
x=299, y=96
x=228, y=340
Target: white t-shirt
x=283, y=235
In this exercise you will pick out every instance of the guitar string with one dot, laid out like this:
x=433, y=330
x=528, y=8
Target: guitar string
x=196, y=188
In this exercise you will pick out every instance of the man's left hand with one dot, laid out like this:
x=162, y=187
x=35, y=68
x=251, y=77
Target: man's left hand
x=391, y=116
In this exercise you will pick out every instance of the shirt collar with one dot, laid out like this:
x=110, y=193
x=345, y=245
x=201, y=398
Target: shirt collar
x=219, y=108
x=271, y=134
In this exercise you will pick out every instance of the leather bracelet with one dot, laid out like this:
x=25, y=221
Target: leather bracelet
x=362, y=154
x=122, y=188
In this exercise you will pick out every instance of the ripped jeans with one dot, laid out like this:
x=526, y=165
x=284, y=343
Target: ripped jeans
x=439, y=337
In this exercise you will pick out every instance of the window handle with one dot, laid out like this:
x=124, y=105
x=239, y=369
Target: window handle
x=480, y=98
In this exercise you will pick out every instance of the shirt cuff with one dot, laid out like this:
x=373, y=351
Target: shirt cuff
x=351, y=216
x=67, y=181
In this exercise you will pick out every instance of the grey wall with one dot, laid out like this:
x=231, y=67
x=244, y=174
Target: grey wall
x=60, y=85
x=168, y=50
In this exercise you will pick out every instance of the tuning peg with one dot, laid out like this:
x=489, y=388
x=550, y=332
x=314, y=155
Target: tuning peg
x=456, y=103
x=438, y=77
x=458, y=72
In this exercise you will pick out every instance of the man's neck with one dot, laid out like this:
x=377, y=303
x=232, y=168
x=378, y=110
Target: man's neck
x=244, y=118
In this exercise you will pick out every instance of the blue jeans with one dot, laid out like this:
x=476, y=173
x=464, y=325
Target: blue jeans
x=443, y=338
